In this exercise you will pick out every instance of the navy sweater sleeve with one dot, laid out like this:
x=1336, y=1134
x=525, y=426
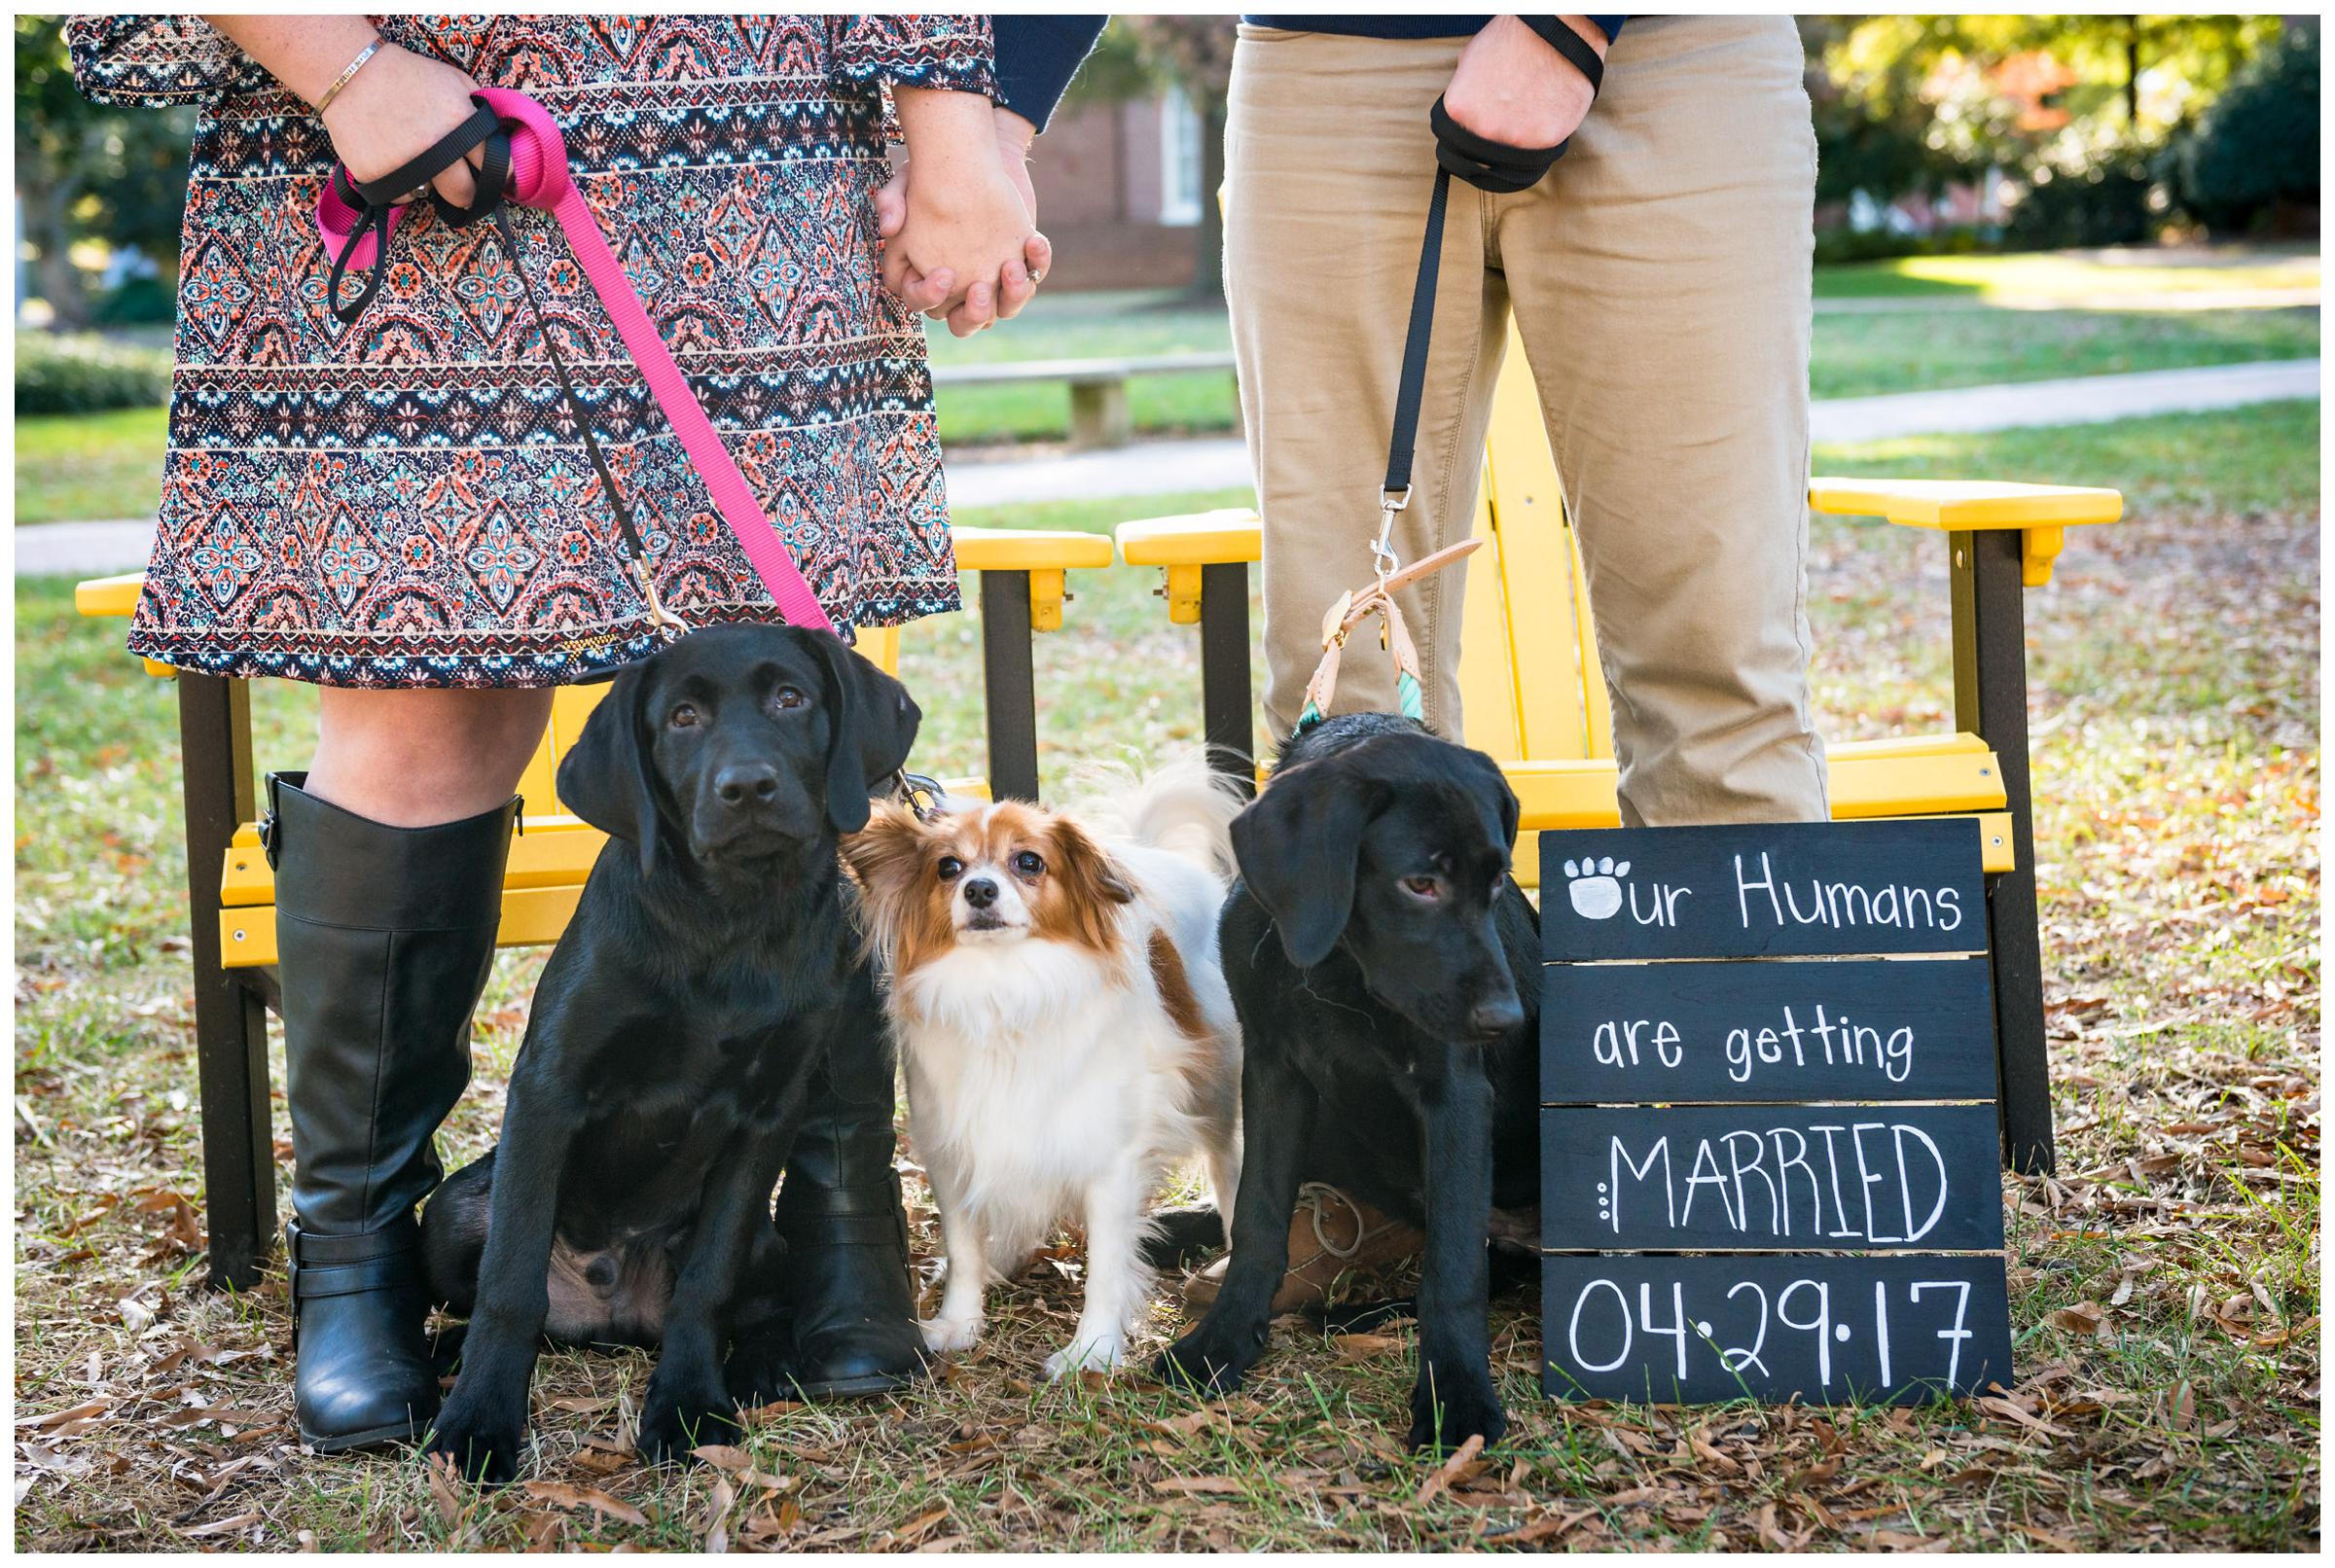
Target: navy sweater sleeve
x=1394, y=27
x=1036, y=58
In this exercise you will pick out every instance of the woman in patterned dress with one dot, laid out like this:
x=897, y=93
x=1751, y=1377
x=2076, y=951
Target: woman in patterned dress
x=401, y=511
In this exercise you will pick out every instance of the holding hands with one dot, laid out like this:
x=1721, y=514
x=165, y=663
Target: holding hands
x=958, y=223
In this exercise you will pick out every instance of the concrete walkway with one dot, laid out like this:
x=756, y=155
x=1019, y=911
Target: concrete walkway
x=1169, y=467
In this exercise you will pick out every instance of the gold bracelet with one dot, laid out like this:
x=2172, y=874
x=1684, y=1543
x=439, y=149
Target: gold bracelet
x=343, y=80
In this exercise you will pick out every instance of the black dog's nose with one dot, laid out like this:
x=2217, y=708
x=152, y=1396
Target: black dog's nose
x=981, y=893
x=755, y=782
x=1492, y=1019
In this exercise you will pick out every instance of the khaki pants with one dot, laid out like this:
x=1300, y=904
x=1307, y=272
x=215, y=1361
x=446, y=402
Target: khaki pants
x=1659, y=276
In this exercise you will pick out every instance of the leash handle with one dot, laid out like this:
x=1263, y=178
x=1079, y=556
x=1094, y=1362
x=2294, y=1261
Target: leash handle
x=357, y=223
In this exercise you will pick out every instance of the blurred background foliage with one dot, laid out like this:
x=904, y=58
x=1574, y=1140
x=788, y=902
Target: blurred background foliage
x=2066, y=130
x=1936, y=134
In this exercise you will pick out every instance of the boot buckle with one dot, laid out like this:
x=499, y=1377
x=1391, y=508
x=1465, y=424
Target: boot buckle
x=291, y=1258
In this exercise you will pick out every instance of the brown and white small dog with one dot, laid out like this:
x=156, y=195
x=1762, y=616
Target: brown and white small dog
x=1054, y=983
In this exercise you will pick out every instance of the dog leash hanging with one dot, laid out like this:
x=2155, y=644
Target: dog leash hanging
x=1500, y=169
x=525, y=161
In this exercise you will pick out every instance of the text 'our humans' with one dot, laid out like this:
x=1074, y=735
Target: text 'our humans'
x=1762, y=896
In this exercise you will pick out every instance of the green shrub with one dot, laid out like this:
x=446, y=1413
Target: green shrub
x=60, y=374
x=2102, y=203
x=1837, y=245
x=2256, y=148
x=138, y=301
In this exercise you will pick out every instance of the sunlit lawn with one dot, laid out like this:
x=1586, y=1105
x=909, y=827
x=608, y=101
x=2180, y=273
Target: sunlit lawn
x=2164, y=1284
x=2125, y=277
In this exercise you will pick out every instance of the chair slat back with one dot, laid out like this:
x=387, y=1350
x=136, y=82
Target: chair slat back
x=1532, y=685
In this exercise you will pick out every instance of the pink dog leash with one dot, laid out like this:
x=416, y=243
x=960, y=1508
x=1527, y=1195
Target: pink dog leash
x=530, y=168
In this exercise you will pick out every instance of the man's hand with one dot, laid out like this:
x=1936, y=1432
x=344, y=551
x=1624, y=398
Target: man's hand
x=938, y=294
x=1512, y=88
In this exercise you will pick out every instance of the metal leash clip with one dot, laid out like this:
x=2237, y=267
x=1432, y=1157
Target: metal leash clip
x=921, y=794
x=669, y=626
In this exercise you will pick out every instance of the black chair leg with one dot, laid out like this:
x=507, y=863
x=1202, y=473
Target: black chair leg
x=1226, y=693
x=231, y=1016
x=1009, y=685
x=1990, y=699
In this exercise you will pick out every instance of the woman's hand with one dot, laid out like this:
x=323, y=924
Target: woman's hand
x=395, y=110
x=966, y=233
x=392, y=112
x=931, y=295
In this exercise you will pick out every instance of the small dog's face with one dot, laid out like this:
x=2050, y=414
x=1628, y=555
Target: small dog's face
x=740, y=745
x=1395, y=850
x=985, y=875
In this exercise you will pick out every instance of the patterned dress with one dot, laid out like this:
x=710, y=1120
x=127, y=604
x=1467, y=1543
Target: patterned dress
x=407, y=501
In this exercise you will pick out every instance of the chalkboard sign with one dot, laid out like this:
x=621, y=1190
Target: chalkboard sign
x=1823, y=1330
x=1696, y=1177
x=1785, y=890
x=1819, y=1029
x=1760, y=1043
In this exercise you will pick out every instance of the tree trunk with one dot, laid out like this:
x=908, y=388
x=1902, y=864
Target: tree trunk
x=1207, y=260
x=2132, y=73
x=51, y=237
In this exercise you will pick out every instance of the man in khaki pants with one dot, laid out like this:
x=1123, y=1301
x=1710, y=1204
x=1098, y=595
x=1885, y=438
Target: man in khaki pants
x=1660, y=279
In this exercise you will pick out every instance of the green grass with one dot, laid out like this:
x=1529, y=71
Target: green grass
x=1916, y=351
x=2173, y=666
x=2129, y=276
x=72, y=468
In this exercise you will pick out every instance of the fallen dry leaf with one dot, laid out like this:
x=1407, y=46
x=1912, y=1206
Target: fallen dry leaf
x=560, y=1494
x=1462, y=1465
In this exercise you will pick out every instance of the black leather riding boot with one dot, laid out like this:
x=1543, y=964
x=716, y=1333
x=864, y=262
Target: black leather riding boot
x=841, y=1215
x=383, y=937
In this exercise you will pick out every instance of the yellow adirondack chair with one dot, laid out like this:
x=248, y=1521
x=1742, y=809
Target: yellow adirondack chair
x=1535, y=700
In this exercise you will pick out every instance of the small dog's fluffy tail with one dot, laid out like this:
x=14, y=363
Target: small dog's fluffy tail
x=1183, y=805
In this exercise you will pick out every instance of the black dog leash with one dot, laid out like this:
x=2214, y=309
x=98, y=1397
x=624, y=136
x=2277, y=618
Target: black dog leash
x=1500, y=169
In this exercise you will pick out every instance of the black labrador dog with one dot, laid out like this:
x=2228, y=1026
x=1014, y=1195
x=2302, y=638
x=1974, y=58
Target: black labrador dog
x=711, y=960
x=1385, y=968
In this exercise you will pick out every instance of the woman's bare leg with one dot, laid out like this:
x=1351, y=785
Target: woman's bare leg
x=414, y=759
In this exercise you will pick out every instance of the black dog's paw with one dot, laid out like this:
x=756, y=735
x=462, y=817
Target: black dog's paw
x=485, y=1442
x=672, y=1426
x=1447, y=1411
x=1207, y=1363
x=760, y=1373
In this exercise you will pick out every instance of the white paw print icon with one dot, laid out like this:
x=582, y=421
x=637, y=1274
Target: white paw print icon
x=1594, y=886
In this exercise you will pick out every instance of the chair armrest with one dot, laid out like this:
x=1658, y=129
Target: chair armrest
x=103, y=596
x=2039, y=512
x=1196, y=539
x=1184, y=545
x=109, y=596
x=1045, y=554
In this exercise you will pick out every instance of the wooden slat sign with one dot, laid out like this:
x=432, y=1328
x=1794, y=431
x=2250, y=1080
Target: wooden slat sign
x=1785, y=890
x=1759, y=1044
x=1838, y=1029
x=1832, y=1330
x=1772, y=1177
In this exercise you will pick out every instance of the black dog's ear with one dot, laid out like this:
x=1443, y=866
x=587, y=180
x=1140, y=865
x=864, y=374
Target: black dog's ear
x=605, y=779
x=872, y=724
x=1298, y=847
x=1495, y=788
